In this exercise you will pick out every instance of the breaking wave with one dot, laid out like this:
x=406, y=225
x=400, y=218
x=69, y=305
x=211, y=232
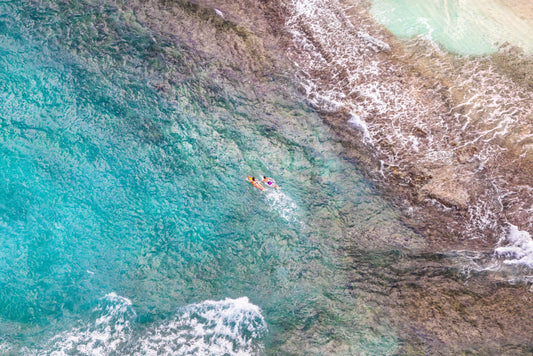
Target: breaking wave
x=516, y=248
x=226, y=327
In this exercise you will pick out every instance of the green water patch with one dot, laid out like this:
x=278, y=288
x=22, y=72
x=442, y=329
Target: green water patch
x=463, y=27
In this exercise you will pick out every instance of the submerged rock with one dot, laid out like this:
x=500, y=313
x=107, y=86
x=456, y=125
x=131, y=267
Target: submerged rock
x=447, y=189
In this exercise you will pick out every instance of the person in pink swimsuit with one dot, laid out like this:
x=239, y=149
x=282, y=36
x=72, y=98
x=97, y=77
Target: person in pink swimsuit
x=270, y=182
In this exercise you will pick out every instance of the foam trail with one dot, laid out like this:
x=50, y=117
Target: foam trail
x=282, y=203
x=517, y=248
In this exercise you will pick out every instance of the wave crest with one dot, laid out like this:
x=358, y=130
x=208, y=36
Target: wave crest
x=227, y=327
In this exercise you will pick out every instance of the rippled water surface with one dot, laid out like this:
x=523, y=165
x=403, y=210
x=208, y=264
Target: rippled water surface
x=127, y=224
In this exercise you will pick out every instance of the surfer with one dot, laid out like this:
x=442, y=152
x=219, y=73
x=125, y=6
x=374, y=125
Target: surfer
x=256, y=183
x=270, y=182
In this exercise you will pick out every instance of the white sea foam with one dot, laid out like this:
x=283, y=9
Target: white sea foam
x=104, y=335
x=516, y=248
x=5, y=347
x=283, y=204
x=227, y=327
x=360, y=124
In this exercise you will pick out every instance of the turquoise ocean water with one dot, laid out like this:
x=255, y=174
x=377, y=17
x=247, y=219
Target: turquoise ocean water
x=466, y=27
x=127, y=225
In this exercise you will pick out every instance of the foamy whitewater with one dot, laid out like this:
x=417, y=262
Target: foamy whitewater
x=516, y=248
x=227, y=327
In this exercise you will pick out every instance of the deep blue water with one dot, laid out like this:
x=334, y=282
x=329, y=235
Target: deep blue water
x=126, y=221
